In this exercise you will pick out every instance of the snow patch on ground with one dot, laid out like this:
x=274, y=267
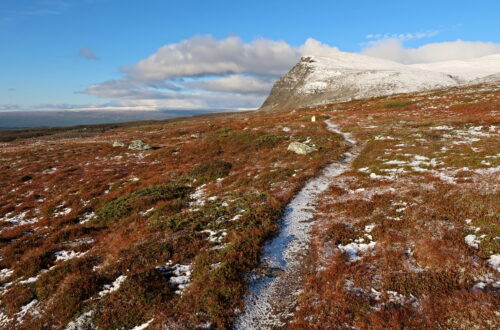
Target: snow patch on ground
x=84, y=321
x=86, y=217
x=180, y=275
x=143, y=326
x=215, y=236
x=31, y=308
x=353, y=250
x=18, y=219
x=109, y=288
x=198, y=196
x=67, y=255
x=472, y=241
x=5, y=273
x=494, y=262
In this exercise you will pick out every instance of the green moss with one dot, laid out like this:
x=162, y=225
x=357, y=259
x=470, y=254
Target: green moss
x=140, y=199
x=245, y=140
x=396, y=104
x=224, y=131
x=211, y=170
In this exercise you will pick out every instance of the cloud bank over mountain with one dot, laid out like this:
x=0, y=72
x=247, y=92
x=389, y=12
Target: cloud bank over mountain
x=206, y=73
x=393, y=49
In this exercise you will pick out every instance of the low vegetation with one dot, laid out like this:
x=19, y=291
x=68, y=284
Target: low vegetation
x=121, y=238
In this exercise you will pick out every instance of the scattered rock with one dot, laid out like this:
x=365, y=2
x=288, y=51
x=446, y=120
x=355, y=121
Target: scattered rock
x=196, y=135
x=26, y=178
x=313, y=119
x=273, y=271
x=118, y=144
x=139, y=145
x=301, y=148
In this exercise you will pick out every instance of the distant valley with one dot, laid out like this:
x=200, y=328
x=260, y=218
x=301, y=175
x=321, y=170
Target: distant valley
x=30, y=119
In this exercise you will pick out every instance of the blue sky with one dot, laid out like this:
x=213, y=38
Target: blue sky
x=87, y=53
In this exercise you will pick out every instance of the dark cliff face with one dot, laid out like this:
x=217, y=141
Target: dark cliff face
x=284, y=93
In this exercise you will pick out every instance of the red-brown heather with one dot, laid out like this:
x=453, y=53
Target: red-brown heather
x=407, y=238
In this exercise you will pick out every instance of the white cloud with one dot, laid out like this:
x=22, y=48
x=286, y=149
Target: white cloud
x=236, y=84
x=205, y=73
x=87, y=53
x=203, y=55
x=315, y=48
x=227, y=73
x=393, y=49
x=9, y=107
x=402, y=36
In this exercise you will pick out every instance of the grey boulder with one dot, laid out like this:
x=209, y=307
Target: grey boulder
x=139, y=145
x=301, y=148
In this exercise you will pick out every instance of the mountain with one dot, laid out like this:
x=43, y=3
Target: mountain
x=465, y=70
x=345, y=76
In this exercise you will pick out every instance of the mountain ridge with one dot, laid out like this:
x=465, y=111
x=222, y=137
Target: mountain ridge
x=341, y=76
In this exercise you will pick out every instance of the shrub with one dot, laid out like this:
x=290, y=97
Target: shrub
x=139, y=295
x=49, y=282
x=396, y=104
x=211, y=170
x=124, y=205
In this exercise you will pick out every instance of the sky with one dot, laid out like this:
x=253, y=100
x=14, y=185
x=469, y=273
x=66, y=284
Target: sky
x=159, y=54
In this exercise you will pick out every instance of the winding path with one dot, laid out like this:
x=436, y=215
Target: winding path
x=272, y=296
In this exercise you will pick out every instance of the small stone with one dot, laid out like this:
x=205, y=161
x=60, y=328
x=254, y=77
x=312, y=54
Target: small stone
x=118, y=144
x=301, y=148
x=139, y=145
x=26, y=178
x=313, y=119
x=273, y=271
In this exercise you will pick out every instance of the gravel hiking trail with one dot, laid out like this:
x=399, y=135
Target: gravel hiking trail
x=274, y=287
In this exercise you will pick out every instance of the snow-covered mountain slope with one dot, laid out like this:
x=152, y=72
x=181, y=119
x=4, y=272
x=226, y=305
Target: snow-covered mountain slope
x=346, y=76
x=467, y=70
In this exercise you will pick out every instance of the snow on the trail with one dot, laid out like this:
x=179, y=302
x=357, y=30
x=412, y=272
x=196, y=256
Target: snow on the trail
x=285, y=250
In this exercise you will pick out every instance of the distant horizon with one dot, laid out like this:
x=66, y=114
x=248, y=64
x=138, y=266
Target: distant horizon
x=107, y=54
x=28, y=119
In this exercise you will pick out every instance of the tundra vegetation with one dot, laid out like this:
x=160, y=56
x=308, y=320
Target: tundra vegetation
x=409, y=237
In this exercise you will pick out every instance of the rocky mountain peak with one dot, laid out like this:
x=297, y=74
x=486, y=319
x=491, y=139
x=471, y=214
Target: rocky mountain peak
x=344, y=76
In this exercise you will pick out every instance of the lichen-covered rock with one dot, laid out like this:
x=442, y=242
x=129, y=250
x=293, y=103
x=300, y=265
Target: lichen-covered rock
x=139, y=145
x=301, y=148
